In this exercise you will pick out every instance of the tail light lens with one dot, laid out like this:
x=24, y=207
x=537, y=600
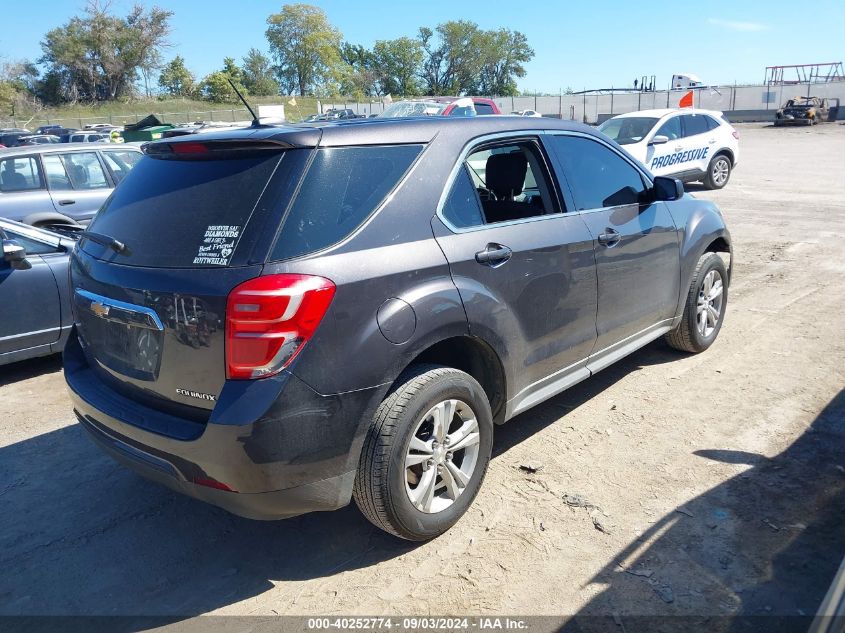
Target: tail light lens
x=269, y=319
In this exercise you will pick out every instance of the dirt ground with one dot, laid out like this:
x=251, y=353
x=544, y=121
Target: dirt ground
x=718, y=479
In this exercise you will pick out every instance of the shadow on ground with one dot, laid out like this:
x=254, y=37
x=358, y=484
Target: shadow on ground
x=81, y=535
x=24, y=370
x=761, y=549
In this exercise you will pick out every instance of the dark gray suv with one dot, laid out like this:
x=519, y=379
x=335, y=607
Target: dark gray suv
x=280, y=319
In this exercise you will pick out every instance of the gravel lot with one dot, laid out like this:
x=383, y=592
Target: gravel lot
x=719, y=479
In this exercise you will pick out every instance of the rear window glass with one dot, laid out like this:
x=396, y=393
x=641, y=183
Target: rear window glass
x=183, y=213
x=342, y=188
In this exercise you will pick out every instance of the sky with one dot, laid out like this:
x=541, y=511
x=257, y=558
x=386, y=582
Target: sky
x=578, y=45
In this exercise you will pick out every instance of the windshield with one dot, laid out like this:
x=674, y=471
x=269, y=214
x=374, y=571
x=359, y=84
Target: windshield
x=628, y=130
x=413, y=108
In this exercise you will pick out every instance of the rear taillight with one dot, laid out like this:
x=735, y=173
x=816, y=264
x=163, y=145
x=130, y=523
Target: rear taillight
x=269, y=319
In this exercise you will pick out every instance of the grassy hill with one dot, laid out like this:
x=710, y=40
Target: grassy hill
x=168, y=110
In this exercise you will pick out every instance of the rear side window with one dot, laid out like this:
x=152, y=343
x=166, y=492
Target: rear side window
x=483, y=108
x=183, y=213
x=342, y=188
x=712, y=123
x=462, y=208
x=694, y=124
x=120, y=162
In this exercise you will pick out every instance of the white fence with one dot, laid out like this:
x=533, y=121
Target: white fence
x=590, y=108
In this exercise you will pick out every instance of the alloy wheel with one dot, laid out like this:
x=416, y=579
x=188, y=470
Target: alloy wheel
x=441, y=456
x=709, y=307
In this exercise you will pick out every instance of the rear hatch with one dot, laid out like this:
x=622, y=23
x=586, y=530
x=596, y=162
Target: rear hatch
x=197, y=219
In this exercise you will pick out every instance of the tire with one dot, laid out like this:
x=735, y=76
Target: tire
x=689, y=336
x=718, y=172
x=384, y=483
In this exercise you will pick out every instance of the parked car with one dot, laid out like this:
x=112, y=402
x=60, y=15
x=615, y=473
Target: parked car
x=47, y=129
x=37, y=139
x=338, y=114
x=90, y=137
x=46, y=184
x=9, y=137
x=533, y=113
x=440, y=106
x=36, y=318
x=803, y=110
x=250, y=340
x=688, y=144
x=102, y=127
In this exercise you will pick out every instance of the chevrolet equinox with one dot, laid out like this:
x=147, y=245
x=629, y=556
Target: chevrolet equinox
x=277, y=320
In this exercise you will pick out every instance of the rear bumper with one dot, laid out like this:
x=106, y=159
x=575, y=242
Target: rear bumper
x=326, y=494
x=270, y=451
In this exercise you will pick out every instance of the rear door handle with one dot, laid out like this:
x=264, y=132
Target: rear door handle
x=494, y=255
x=64, y=203
x=609, y=238
x=679, y=148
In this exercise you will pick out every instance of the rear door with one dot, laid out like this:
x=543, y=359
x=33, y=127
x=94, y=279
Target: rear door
x=78, y=183
x=700, y=136
x=523, y=266
x=30, y=314
x=22, y=187
x=635, y=241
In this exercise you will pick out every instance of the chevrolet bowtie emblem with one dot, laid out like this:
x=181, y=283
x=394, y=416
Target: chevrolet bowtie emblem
x=101, y=310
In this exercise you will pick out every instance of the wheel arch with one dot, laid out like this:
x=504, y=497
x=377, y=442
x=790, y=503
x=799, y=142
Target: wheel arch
x=705, y=232
x=727, y=152
x=475, y=357
x=42, y=217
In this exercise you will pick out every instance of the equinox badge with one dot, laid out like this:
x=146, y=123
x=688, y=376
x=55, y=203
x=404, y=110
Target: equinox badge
x=196, y=394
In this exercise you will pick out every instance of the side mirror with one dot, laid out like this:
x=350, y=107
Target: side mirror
x=659, y=140
x=15, y=255
x=668, y=189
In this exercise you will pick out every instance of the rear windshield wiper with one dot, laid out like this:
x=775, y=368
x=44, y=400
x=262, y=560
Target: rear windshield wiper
x=116, y=245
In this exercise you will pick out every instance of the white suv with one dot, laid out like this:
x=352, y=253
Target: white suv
x=687, y=144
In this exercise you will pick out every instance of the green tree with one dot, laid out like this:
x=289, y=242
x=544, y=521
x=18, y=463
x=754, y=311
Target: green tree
x=502, y=54
x=18, y=82
x=356, y=74
x=397, y=64
x=305, y=47
x=451, y=63
x=99, y=56
x=257, y=74
x=460, y=58
x=232, y=70
x=175, y=79
x=216, y=87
